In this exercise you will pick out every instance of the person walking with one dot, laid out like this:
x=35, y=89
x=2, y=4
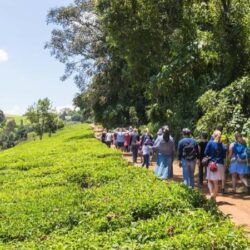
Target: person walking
x=225, y=142
x=134, y=144
x=187, y=155
x=238, y=155
x=155, y=154
x=202, y=146
x=120, y=139
x=146, y=135
x=216, y=152
x=165, y=148
x=146, y=152
x=126, y=141
x=103, y=136
x=114, y=138
x=109, y=138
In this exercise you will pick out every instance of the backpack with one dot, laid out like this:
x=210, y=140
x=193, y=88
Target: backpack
x=189, y=151
x=240, y=152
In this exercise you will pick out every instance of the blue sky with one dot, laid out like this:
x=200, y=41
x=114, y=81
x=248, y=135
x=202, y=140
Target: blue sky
x=27, y=71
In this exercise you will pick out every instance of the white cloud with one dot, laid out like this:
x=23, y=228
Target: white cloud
x=16, y=110
x=60, y=108
x=4, y=57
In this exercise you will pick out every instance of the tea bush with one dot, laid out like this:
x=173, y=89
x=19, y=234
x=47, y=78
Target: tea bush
x=72, y=192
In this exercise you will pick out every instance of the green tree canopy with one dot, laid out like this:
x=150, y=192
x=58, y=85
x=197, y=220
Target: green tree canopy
x=42, y=116
x=141, y=61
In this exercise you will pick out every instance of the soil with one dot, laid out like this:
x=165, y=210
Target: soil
x=236, y=206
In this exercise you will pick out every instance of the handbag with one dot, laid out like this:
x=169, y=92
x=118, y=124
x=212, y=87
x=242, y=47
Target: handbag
x=213, y=166
x=205, y=161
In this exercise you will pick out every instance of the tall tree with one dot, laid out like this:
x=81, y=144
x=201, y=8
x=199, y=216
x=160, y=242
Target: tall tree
x=150, y=61
x=39, y=115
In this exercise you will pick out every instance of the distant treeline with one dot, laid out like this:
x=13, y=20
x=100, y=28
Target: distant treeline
x=40, y=118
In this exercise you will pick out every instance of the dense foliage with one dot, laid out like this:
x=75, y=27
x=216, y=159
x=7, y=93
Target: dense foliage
x=12, y=131
x=141, y=61
x=70, y=115
x=230, y=107
x=72, y=192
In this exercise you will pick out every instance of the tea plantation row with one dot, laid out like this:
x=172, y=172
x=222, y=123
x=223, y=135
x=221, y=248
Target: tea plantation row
x=72, y=192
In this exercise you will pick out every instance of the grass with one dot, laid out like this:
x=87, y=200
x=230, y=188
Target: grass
x=72, y=192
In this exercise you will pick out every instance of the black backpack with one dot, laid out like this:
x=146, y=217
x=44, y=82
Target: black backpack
x=189, y=151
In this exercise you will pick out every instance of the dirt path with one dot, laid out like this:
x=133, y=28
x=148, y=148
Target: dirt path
x=237, y=206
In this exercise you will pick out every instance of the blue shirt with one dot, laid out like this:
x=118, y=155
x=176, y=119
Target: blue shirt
x=240, y=151
x=120, y=137
x=217, y=151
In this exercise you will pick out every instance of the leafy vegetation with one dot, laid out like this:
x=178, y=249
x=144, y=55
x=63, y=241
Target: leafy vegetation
x=228, y=106
x=43, y=118
x=72, y=192
x=69, y=115
x=12, y=130
x=140, y=62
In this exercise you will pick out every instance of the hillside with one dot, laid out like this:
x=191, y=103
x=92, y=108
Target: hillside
x=17, y=118
x=72, y=192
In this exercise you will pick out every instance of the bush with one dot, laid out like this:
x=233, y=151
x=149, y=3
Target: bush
x=72, y=192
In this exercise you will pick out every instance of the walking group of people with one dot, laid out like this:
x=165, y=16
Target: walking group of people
x=131, y=140
x=210, y=153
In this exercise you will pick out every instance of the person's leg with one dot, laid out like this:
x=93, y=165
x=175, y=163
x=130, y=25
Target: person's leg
x=216, y=189
x=222, y=169
x=210, y=187
x=165, y=167
x=136, y=153
x=140, y=153
x=161, y=165
x=191, y=169
x=157, y=164
x=234, y=180
x=133, y=153
x=170, y=167
x=144, y=161
x=147, y=160
x=200, y=174
x=185, y=172
x=244, y=180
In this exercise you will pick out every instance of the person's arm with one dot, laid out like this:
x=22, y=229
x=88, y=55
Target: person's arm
x=173, y=151
x=138, y=138
x=156, y=144
x=142, y=140
x=180, y=151
x=130, y=139
x=224, y=147
x=197, y=150
x=207, y=150
x=230, y=152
